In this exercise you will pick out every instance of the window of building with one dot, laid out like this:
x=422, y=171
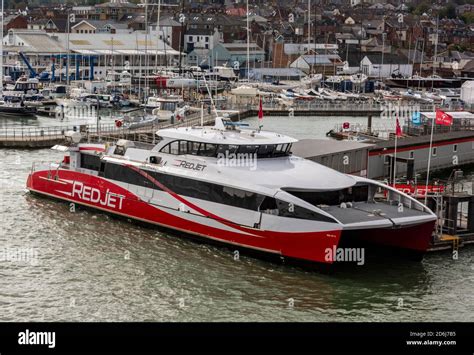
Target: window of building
x=455, y=148
x=435, y=151
x=412, y=154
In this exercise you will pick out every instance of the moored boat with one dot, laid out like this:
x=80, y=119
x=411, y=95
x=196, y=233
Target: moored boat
x=237, y=186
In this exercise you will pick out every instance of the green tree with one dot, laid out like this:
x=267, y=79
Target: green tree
x=422, y=8
x=448, y=11
x=468, y=17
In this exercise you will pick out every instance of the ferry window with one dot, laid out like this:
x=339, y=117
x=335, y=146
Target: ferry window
x=435, y=151
x=225, y=148
x=125, y=174
x=334, y=198
x=171, y=148
x=193, y=148
x=248, y=149
x=265, y=151
x=281, y=149
x=412, y=154
x=455, y=148
x=207, y=150
x=165, y=149
x=210, y=192
x=91, y=162
x=119, y=150
x=183, y=147
x=286, y=209
x=154, y=160
x=269, y=206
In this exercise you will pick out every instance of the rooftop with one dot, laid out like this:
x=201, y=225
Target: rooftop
x=421, y=140
x=310, y=148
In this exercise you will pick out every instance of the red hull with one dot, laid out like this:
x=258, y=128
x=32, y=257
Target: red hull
x=416, y=238
x=104, y=195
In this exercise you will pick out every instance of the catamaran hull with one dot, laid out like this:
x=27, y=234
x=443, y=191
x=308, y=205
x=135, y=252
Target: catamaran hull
x=412, y=240
x=105, y=195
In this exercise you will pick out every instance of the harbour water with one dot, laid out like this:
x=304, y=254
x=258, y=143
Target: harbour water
x=58, y=265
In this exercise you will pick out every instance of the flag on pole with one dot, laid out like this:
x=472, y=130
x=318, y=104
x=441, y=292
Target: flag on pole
x=442, y=118
x=398, y=129
x=416, y=118
x=260, y=111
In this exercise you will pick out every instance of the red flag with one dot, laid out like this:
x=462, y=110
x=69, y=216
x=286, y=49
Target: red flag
x=260, y=110
x=442, y=118
x=398, y=129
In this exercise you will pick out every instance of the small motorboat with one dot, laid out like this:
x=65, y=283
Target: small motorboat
x=18, y=110
x=134, y=122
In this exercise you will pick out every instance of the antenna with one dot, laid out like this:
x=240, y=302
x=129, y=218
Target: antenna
x=210, y=96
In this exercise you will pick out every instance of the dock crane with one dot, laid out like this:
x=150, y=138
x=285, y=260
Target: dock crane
x=33, y=73
x=56, y=58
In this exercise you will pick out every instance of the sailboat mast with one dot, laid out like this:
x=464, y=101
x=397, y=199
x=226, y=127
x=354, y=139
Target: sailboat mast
x=145, y=92
x=435, y=61
x=181, y=36
x=1, y=53
x=248, y=43
x=309, y=25
x=158, y=34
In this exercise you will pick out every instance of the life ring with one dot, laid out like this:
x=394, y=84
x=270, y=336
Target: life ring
x=118, y=123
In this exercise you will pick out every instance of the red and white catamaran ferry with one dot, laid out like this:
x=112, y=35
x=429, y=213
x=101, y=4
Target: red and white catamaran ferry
x=238, y=186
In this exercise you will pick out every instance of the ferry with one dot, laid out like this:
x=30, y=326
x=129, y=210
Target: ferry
x=237, y=186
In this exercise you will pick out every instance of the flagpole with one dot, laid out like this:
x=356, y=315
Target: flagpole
x=429, y=159
x=1, y=52
x=397, y=123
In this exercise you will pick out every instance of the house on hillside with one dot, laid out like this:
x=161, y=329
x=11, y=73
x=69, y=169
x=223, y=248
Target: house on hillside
x=378, y=65
x=327, y=64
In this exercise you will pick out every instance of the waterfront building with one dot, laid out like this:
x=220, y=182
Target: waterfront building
x=378, y=65
x=137, y=53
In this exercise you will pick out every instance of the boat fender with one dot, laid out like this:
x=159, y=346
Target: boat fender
x=118, y=123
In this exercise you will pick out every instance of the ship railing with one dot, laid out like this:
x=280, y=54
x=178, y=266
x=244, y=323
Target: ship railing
x=44, y=165
x=33, y=133
x=106, y=131
x=317, y=104
x=310, y=105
